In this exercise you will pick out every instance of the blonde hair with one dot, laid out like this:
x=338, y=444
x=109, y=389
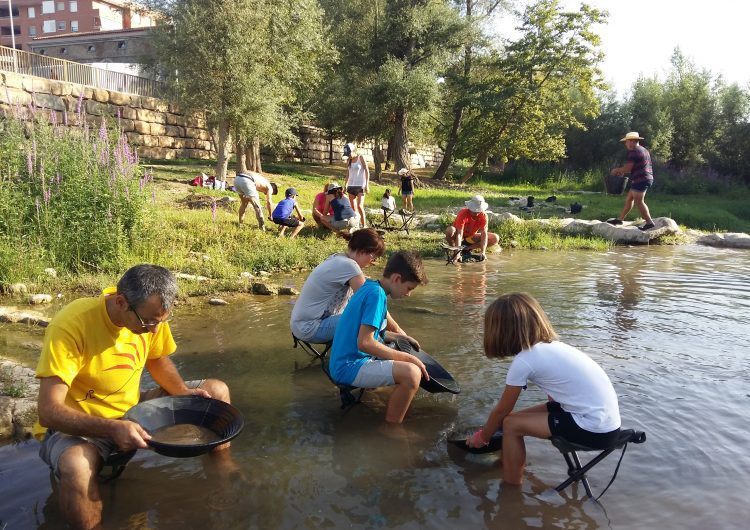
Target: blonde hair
x=513, y=323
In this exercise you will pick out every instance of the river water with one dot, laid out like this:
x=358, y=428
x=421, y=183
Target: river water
x=669, y=325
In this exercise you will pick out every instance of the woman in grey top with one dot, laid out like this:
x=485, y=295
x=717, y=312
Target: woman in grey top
x=330, y=285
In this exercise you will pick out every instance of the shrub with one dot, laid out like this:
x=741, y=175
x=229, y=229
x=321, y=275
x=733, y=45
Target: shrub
x=71, y=197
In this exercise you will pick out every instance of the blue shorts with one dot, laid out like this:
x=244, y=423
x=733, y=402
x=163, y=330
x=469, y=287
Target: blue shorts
x=641, y=186
x=561, y=423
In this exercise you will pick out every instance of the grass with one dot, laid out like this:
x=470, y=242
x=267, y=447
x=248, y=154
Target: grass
x=212, y=244
x=9, y=386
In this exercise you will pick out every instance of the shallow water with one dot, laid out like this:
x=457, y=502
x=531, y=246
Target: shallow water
x=669, y=325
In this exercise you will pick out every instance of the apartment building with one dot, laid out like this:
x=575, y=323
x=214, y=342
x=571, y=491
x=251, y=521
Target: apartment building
x=46, y=18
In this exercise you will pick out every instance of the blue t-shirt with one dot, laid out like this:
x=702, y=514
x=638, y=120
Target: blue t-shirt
x=284, y=209
x=368, y=306
x=342, y=209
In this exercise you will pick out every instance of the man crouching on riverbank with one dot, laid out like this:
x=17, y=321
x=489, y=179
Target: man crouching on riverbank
x=94, y=353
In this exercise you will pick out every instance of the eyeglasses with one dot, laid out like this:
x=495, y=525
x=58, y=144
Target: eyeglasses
x=146, y=325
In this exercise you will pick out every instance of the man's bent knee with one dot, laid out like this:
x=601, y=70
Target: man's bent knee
x=217, y=388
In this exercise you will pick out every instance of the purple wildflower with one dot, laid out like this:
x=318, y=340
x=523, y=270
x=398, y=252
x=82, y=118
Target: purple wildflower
x=53, y=117
x=47, y=195
x=103, y=131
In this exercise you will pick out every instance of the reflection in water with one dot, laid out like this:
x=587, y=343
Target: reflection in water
x=667, y=324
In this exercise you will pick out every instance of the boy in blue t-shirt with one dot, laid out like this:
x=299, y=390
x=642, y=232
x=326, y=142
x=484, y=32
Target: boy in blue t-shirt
x=282, y=214
x=359, y=356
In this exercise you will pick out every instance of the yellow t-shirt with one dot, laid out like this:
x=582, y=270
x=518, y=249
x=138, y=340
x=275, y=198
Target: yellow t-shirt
x=101, y=363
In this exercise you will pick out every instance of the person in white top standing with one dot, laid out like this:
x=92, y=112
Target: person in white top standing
x=582, y=404
x=357, y=182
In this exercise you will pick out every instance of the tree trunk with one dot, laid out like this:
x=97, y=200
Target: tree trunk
x=470, y=172
x=401, y=156
x=239, y=151
x=442, y=169
x=252, y=155
x=377, y=157
x=330, y=146
x=222, y=145
x=389, y=153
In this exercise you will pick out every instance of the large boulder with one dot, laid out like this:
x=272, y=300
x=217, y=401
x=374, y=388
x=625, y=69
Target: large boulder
x=729, y=240
x=579, y=226
x=629, y=233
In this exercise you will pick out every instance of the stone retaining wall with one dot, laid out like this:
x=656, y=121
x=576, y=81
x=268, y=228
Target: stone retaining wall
x=156, y=128
x=314, y=147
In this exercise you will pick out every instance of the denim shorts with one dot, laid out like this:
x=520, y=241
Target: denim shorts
x=641, y=186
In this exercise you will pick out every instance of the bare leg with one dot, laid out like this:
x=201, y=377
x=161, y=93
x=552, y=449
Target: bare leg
x=80, y=499
x=639, y=198
x=218, y=390
x=410, y=203
x=243, y=206
x=258, y=212
x=359, y=208
x=407, y=377
x=297, y=230
x=282, y=229
x=629, y=201
x=451, y=236
x=515, y=427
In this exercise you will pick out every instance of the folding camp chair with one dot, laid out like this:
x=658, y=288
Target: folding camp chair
x=391, y=223
x=315, y=350
x=577, y=472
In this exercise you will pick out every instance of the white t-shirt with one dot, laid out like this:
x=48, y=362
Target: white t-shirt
x=389, y=203
x=325, y=292
x=357, y=173
x=571, y=378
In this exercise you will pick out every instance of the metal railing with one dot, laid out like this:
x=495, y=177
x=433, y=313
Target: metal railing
x=21, y=62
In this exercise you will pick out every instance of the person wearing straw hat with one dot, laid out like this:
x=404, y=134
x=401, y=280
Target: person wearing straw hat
x=470, y=229
x=642, y=178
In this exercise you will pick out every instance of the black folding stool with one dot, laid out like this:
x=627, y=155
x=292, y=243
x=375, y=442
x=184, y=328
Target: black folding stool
x=577, y=472
x=406, y=219
x=345, y=391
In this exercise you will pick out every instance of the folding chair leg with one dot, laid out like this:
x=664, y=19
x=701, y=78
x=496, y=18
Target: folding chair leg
x=312, y=350
x=577, y=472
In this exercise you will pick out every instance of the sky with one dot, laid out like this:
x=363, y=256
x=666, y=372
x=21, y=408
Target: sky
x=641, y=36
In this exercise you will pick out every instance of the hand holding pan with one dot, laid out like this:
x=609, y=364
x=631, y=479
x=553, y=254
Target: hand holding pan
x=440, y=380
x=496, y=443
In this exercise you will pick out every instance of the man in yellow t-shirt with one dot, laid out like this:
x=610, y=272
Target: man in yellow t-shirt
x=94, y=353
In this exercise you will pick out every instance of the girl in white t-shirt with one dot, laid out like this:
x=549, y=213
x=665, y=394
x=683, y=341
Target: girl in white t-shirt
x=582, y=404
x=388, y=202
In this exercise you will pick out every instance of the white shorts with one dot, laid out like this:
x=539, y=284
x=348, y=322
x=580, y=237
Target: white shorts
x=245, y=186
x=374, y=373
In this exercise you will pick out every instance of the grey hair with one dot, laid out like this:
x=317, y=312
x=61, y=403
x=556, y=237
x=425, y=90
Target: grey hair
x=140, y=282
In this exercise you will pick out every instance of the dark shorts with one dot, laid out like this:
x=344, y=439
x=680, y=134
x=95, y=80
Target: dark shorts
x=289, y=221
x=641, y=186
x=562, y=424
x=405, y=193
x=355, y=190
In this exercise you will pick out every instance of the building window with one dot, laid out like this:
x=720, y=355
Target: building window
x=32, y=31
x=74, y=25
x=122, y=45
x=48, y=26
x=63, y=51
x=97, y=23
x=61, y=6
x=91, y=48
x=73, y=7
x=32, y=12
x=42, y=51
x=61, y=26
x=48, y=6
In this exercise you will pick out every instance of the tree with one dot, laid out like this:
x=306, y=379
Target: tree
x=541, y=85
x=650, y=116
x=392, y=53
x=245, y=62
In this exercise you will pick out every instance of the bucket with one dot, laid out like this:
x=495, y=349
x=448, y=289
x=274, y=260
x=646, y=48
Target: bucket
x=615, y=185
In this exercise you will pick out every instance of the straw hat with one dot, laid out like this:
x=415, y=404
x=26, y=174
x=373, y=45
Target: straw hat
x=632, y=136
x=333, y=187
x=476, y=204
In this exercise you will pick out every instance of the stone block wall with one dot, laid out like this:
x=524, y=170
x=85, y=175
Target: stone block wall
x=155, y=128
x=158, y=129
x=314, y=147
